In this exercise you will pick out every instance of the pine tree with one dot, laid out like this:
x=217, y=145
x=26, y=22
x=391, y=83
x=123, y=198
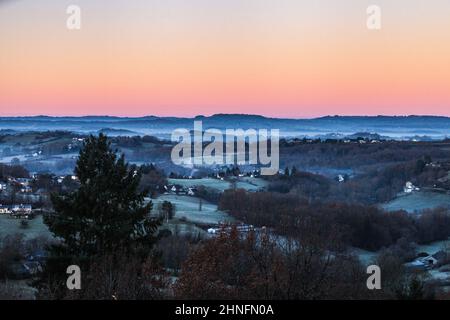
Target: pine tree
x=293, y=171
x=106, y=212
x=105, y=216
x=167, y=210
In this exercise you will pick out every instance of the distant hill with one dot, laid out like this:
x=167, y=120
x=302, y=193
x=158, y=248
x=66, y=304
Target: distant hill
x=117, y=132
x=399, y=127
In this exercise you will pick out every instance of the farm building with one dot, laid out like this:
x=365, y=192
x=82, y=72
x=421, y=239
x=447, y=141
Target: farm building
x=428, y=261
x=4, y=209
x=410, y=187
x=22, y=211
x=21, y=208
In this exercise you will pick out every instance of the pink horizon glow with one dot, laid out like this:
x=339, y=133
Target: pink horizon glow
x=289, y=60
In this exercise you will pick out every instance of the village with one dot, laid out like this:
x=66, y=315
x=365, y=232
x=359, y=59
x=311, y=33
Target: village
x=24, y=198
x=19, y=195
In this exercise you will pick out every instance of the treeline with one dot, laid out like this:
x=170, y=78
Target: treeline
x=365, y=227
x=351, y=155
x=135, y=141
x=376, y=185
x=14, y=171
x=260, y=266
x=153, y=179
x=257, y=267
x=383, y=184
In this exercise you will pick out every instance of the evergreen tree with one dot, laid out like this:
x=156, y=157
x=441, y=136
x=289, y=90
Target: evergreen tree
x=167, y=210
x=105, y=215
x=106, y=212
x=293, y=171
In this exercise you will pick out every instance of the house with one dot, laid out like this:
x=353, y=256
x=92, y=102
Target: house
x=23, y=181
x=436, y=259
x=416, y=265
x=21, y=211
x=4, y=209
x=21, y=207
x=26, y=189
x=3, y=186
x=223, y=228
x=410, y=187
x=426, y=262
x=213, y=230
x=177, y=189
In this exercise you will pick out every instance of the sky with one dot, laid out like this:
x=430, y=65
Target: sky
x=279, y=58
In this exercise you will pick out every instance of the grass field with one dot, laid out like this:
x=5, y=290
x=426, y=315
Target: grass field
x=36, y=228
x=251, y=184
x=418, y=201
x=247, y=183
x=188, y=207
x=219, y=185
x=434, y=247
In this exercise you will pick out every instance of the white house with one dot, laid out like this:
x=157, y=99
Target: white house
x=410, y=187
x=435, y=259
x=26, y=208
x=417, y=265
x=26, y=189
x=428, y=262
x=23, y=181
x=4, y=209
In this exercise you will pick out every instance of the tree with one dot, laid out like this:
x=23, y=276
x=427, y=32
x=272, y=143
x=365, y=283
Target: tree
x=15, y=162
x=44, y=181
x=153, y=179
x=120, y=276
x=24, y=224
x=11, y=251
x=412, y=290
x=293, y=171
x=258, y=266
x=167, y=210
x=7, y=171
x=106, y=214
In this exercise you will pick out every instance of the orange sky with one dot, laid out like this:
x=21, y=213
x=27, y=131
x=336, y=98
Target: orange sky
x=283, y=58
